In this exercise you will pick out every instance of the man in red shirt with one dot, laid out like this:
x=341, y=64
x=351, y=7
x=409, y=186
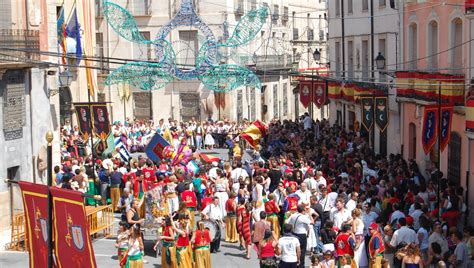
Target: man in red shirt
x=345, y=242
x=189, y=198
x=149, y=171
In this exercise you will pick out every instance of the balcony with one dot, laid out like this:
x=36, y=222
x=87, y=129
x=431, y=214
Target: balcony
x=272, y=62
x=19, y=46
x=469, y=6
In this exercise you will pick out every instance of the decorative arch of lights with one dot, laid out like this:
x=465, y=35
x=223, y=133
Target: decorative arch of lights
x=148, y=75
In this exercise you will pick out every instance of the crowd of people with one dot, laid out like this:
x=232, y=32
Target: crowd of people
x=313, y=191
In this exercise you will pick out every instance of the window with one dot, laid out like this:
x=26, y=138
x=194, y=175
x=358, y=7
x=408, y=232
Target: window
x=142, y=51
x=365, y=60
x=338, y=58
x=285, y=99
x=188, y=46
x=365, y=5
x=454, y=158
x=295, y=34
x=350, y=7
x=350, y=57
x=412, y=46
x=456, y=56
x=382, y=3
x=142, y=108
x=383, y=49
x=141, y=7
x=275, y=101
x=310, y=34
x=276, y=14
x=433, y=45
x=338, y=8
x=321, y=35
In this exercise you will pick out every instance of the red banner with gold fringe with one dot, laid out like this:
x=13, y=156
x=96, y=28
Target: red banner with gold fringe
x=72, y=239
x=35, y=202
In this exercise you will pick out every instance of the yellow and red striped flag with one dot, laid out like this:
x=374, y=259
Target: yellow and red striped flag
x=254, y=133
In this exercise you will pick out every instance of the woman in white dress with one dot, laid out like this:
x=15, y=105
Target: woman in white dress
x=360, y=254
x=208, y=140
x=221, y=187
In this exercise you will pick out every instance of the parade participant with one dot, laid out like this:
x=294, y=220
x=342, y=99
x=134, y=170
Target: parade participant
x=140, y=187
x=183, y=215
x=149, y=171
x=376, y=246
x=240, y=210
x=189, y=198
x=231, y=234
x=272, y=211
x=301, y=222
x=340, y=215
x=345, y=242
x=328, y=261
x=104, y=184
x=289, y=248
x=115, y=180
x=290, y=205
x=168, y=249
x=213, y=212
x=171, y=194
x=360, y=253
x=125, y=203
x=245, y=218
x=183, y=256
x=201, y=240
x=133, y=216
x=121, y=243
x=259, y=228
x=266, y=250
x=221, y=188
x=135, y=249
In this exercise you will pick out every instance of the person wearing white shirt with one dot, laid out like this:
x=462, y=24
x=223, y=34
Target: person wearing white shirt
x=311, y=182
x=280, y=194
x=289, y=248
x=324, y=199
x=368, y=217
x=403, y=234
x=340, y=215
x=320, y=179
x=301, y=223
x=304, y=194
x=307, y=122
x=416, y=215
x=213, y=212
x=438, y=237
x=352, y=203
x=213, y=171
x=396, y=215
x=238, y=173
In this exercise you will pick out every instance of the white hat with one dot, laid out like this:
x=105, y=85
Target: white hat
x=215, y=164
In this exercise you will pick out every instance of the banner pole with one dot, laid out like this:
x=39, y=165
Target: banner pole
x=439, y=176
x=49, y=139
x=92, y=136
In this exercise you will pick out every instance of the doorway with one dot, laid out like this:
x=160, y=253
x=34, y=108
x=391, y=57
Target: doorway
x=454, y=158
x=65, y=105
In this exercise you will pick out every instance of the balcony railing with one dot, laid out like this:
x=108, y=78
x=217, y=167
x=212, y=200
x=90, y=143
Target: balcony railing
x=19, y=45
x=272, y=62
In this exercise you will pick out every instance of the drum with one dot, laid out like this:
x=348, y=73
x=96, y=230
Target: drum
x=213, y=227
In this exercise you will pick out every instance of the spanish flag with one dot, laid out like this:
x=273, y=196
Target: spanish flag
x=254, y=133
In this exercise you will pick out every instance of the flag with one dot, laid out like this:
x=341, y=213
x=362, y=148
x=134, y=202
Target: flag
x=83, y=114
x=87, y=27
x=470, y=115
x=100, y=117
x=306, y=92
x=319, y=93
x=254, y=133
x=446, y=123
x=381, y=113
x=61, y=33
x=430, y=127
x=72, y=240
x=209, y=158
x=219, y=99
x=124, y=91
x=367, y=105
x=154, y=149
x=192, y=167
x=121, y=149
x=73, y=31
x=167, y=135
x=35, y=203
x=110, y=142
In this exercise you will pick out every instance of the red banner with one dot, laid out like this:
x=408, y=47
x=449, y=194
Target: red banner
x=72, y=239
x=306, y=93
x=101, y=120
x=35, y=202
x=430, y=127
x=319, y=93
x=83, y=114
x=446, y=123
x=470, y=115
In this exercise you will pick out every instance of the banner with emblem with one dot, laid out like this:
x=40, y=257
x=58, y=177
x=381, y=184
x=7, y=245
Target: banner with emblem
x=319, y=93
x=83, y=114
x=381, y=113
x=72, y=239
x=100, y=117
x=446, y=122
x=35, y=203
x=367, y=104
x=306, y=93
x=430, y=127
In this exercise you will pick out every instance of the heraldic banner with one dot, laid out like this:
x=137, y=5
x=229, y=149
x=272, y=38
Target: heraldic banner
x=446, y=122
x=367, y=104
x=101, y=120
x=72, y=239
x=381, y=113
x=430, y=127
x=83, y=114
x=35, y=202
x=306, y=92
x=319, y=93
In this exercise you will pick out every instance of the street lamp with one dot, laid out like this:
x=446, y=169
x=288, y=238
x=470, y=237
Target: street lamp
x=380, y=61
x=65, y=78
x=317, y=55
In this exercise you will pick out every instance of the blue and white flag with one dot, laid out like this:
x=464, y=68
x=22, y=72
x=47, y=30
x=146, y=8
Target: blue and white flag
x=122, y=150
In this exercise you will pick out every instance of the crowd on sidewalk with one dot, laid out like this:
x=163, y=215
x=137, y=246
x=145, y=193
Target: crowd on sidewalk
x=313, y=190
